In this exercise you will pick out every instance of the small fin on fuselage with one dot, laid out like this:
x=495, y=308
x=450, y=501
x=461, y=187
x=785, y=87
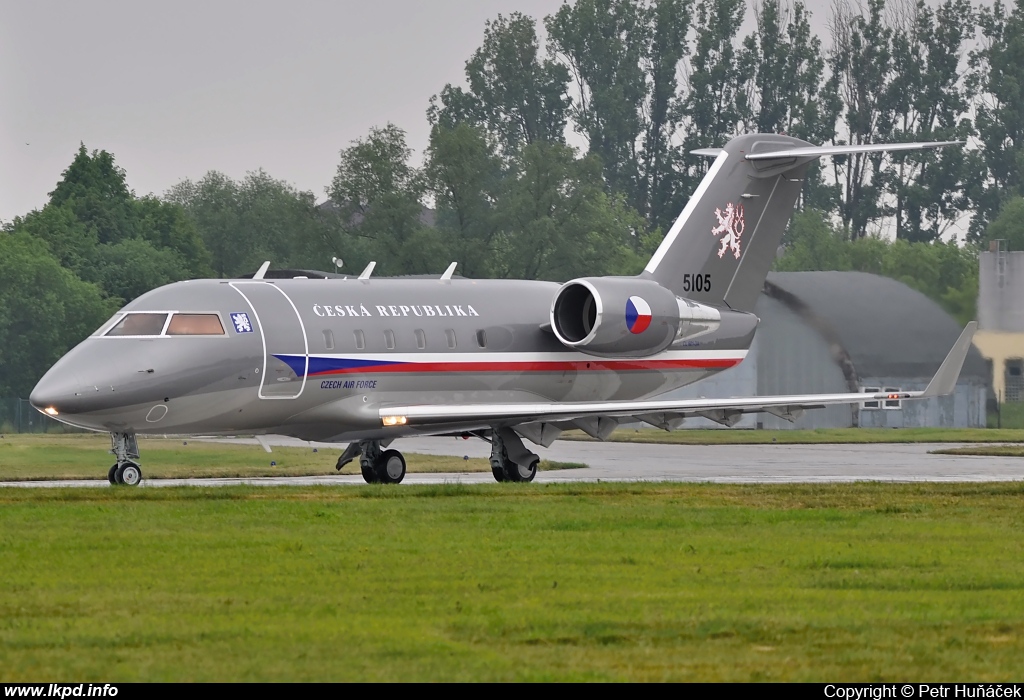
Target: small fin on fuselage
x=721, y=247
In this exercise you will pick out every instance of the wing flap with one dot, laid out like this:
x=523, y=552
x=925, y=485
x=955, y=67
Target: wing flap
x=587, y=414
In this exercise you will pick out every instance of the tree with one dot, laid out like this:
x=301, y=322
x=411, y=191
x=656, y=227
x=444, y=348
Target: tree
x=998, y=76
x=605, y=43
x=380, y=212
x=92, y=216
x=258, y=218
x=930, y=102
x=515, y=96
x=861, y=64
x=44, y=311
x=95, y=189
x=785, y=86
x=715, y=104
x=658, y=195
x=556, y=222
x=1008, y=225
x=465, y=176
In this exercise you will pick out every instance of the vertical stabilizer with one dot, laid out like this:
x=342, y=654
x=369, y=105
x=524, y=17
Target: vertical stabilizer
x=721, y=247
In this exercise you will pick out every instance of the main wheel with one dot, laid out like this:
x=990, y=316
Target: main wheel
x=498, y=472
x=516, y=472
x=369, y=473
x=390, y=467
x=129, y=474
x=112, y=475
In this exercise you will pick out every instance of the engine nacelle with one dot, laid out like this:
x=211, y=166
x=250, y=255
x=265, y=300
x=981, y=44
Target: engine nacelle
x=626, y=316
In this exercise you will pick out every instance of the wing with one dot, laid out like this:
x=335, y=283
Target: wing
x=541, y=422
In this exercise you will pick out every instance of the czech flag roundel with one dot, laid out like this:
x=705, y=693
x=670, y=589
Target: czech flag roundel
x=638, y=315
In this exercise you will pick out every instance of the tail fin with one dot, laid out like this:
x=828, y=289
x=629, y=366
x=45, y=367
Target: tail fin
x=722, y=245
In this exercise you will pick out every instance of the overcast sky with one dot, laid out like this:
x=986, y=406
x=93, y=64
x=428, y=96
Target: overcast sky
x=174, y=89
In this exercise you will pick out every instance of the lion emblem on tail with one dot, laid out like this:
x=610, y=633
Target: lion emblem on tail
x=730, y=228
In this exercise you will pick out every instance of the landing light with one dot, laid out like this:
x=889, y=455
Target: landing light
x=50, y=411
x=394, y=420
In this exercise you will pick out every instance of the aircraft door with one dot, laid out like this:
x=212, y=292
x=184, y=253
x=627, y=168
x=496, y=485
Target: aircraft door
x=285, y=348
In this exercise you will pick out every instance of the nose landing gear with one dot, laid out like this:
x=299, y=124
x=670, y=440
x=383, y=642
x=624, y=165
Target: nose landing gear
x=126, y=470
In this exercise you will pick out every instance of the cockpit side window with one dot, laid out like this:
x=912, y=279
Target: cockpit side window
x=195, y=324
x=139, y=324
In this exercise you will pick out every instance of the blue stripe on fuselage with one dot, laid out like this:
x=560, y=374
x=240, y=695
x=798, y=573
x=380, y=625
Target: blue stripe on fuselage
x=325, y=365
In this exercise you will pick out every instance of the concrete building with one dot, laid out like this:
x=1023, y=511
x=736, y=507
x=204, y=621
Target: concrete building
x=846, y=332
x=1000, y=336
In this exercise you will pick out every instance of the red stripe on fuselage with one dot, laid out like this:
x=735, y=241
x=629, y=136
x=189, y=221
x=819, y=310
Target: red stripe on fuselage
x=583, y=365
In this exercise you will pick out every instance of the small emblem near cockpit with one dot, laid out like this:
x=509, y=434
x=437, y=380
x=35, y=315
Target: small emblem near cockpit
x=242, y=323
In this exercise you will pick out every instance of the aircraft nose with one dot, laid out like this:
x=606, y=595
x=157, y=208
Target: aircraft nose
x=59, y=390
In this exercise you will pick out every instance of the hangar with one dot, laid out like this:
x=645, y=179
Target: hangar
x=849, y=331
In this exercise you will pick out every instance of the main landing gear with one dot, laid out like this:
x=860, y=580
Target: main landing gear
x=510, y=460
x=126, y=470
x=378, y=466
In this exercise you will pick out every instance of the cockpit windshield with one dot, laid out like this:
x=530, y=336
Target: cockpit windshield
x=155, y=324
x=195, y=324
x=139, y=324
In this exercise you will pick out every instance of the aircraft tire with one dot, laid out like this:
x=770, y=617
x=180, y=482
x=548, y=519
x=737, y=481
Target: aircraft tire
x=498, y=473
x=112, y=475
x=515, y=472
x=390, y=467
x=129, y=474
x=369, y=473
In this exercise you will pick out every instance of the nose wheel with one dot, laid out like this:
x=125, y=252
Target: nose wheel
x=126, y=471
x=127, y=474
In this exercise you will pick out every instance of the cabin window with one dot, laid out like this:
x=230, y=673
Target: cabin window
x=195, y=324
x=421, y=339
x=389, y=339
x=139, y=324
x=329, y=340
x=360, y=340
x=449, y=334
x=481, y=338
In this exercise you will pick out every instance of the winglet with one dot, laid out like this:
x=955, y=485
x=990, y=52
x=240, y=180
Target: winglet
x=944, y=381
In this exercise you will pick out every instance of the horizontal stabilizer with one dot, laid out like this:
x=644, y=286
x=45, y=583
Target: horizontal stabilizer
x=818, y=151
x=707, y=152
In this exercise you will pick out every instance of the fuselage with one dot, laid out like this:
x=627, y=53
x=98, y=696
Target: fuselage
x=317, y=358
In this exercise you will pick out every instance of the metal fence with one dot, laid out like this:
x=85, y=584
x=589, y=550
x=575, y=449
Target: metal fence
x=18, y=416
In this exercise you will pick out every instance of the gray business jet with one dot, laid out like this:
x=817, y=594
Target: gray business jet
x=366, y=361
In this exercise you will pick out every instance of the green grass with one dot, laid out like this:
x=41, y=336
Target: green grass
x=808, y=437
x=84, y=456
x=984, y=451
x=1012, y=416
x=855, y=582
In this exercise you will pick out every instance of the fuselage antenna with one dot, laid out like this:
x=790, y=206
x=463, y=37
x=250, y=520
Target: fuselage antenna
x=447, y=276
